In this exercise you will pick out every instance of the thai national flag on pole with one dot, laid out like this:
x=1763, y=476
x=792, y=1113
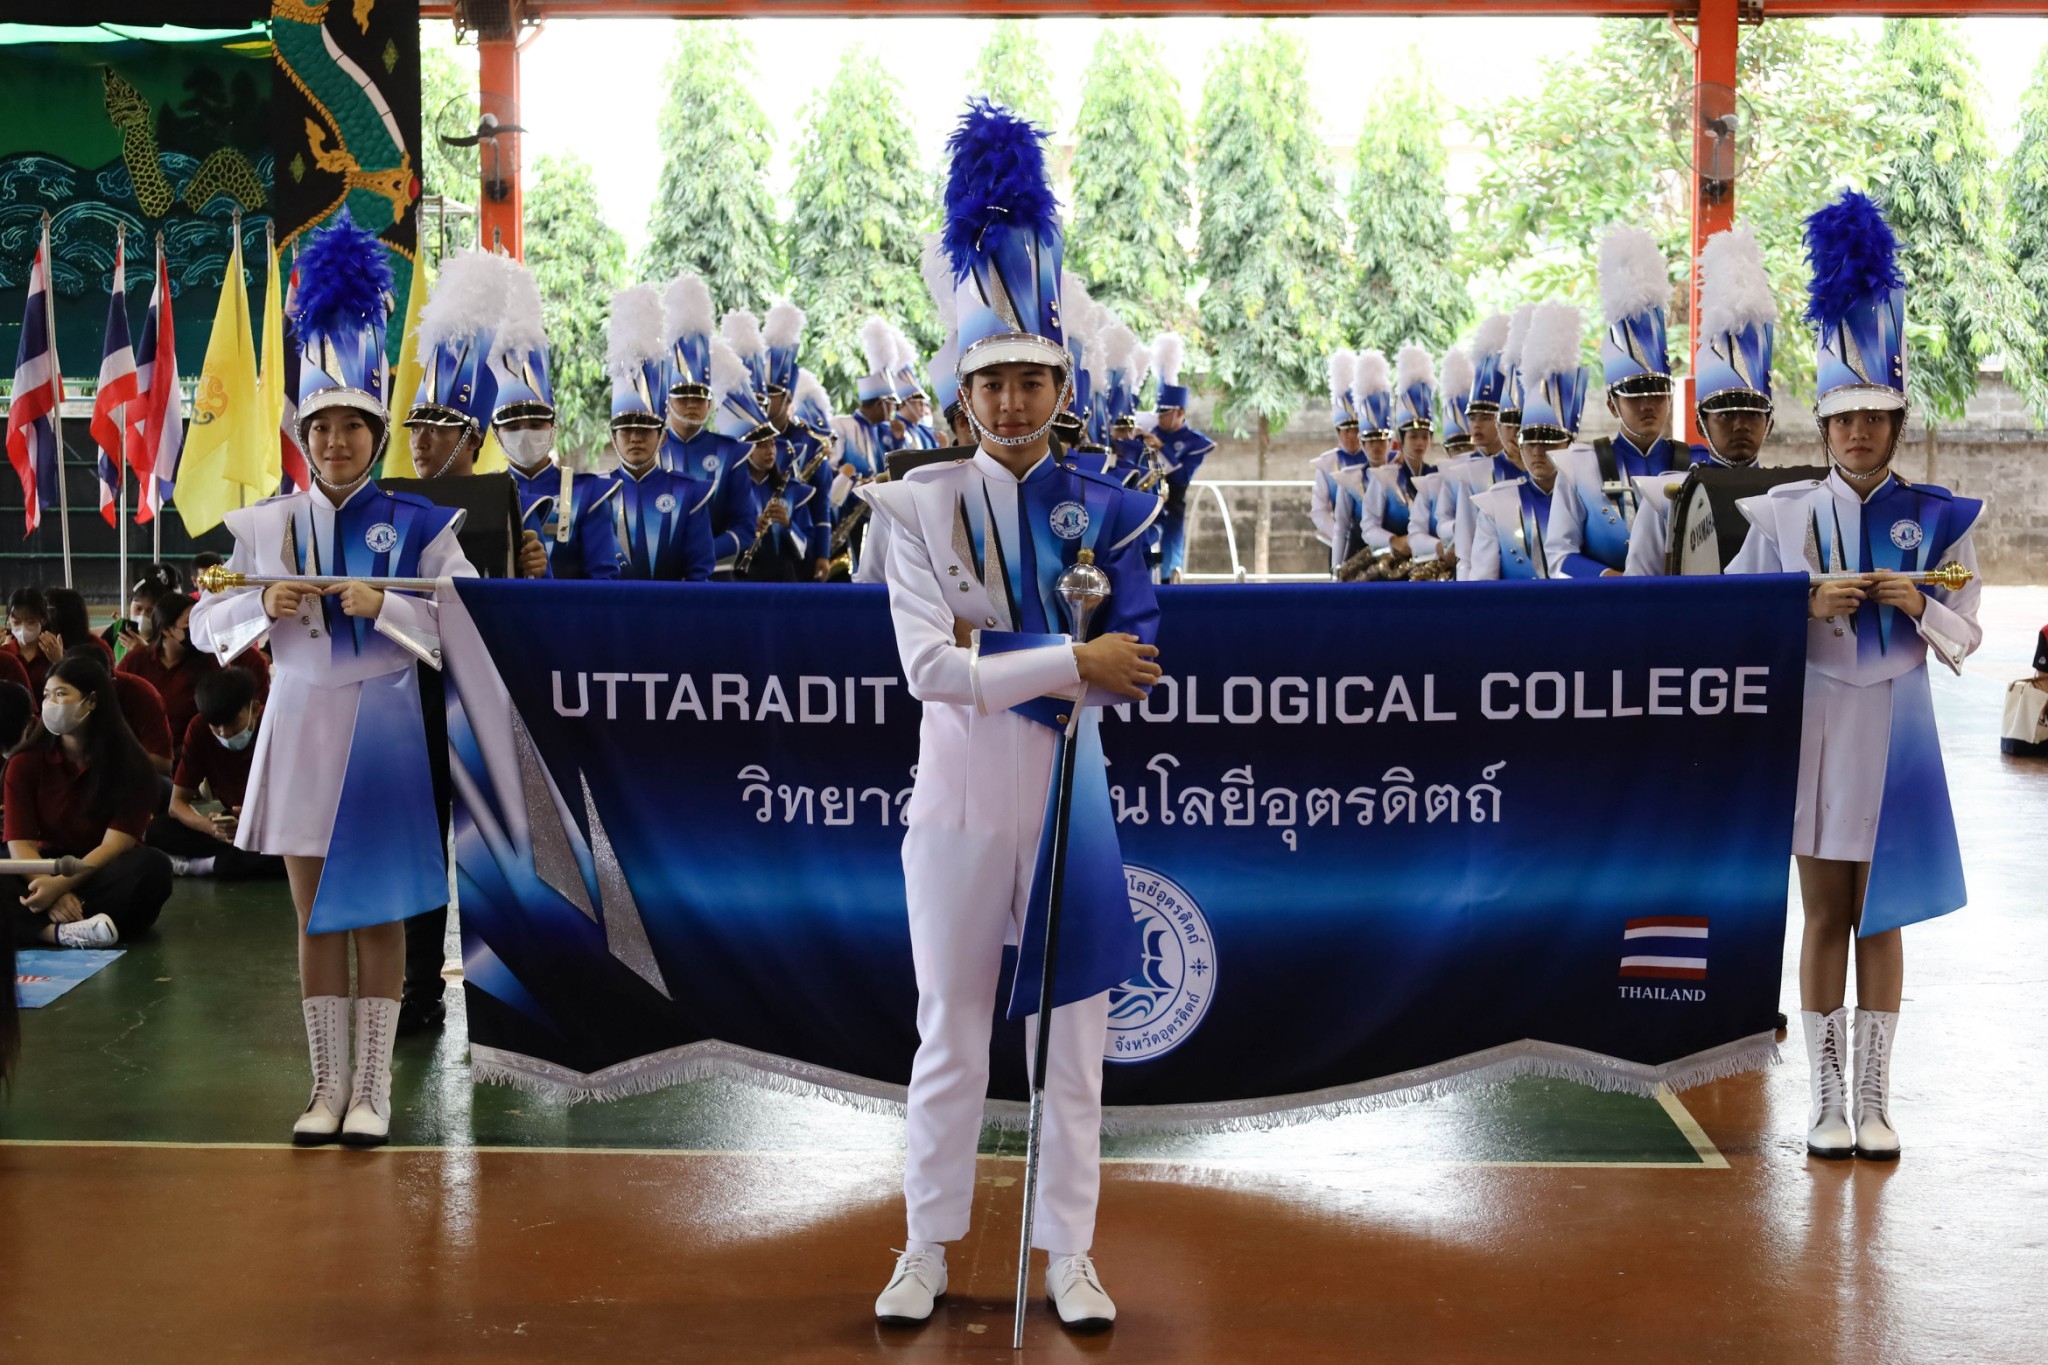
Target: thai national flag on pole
x=110, y=425
x=297, y=476
x=32, y=434
x=159, y=426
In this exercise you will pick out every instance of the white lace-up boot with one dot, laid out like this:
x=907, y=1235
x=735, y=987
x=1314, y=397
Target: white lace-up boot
x=1875, y=1139
x=1076, y=1294
x=1828, y=1134
x=369, y=1112
x=327, y=1041
x=915, y=1287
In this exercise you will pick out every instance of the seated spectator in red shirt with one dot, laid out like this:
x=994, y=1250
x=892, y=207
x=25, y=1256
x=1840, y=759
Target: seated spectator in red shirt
x=219, y=747
x=29, y=642
x=81, y=787
x=15, y=712
x=174, y=668
x=11, y=670
x=138, y=627
x=143, y=709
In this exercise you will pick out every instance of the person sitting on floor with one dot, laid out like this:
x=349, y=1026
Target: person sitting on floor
x=138, y=627
x=175, y=669
x=80, y=786
x=28, y=620
x=143, y=709
x=218, y=749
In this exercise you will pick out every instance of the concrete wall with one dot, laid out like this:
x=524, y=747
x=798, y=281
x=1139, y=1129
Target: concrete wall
x=1994, y=453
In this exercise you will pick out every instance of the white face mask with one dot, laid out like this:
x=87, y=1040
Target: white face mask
x=241, y=741
x=26, y=635
x=144, y=626
x=529, y=447
x=62, y=717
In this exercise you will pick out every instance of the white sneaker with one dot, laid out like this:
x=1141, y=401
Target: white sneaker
x=917, y=1285
x=1077, y=1294
x=97, y=932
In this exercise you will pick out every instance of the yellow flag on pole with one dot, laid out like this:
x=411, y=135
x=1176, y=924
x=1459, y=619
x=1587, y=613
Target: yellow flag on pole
x=270, y=382
x=224, y=445
x=406, y=381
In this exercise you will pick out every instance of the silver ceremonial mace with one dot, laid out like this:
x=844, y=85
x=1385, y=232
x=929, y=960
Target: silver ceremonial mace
x=1082, y=588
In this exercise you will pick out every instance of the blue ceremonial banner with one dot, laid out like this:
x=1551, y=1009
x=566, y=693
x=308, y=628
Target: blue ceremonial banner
x=1375, y=840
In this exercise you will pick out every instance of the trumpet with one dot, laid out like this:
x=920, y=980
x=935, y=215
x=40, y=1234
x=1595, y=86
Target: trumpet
x=1951, y=575
x=219, y=578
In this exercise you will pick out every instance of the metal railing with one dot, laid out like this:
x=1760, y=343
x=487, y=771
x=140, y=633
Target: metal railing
x=1238, y=573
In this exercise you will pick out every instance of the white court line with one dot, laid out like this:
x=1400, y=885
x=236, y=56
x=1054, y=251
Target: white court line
x=1710, y=1155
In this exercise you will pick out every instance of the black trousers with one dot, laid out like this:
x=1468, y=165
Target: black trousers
x=230, y=864
x=424, y=932
x=131, y=891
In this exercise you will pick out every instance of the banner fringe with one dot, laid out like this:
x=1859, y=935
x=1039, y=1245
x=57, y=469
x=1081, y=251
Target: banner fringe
x=1475, y=1071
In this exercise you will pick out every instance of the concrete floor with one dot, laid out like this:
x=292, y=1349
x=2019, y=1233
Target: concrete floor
x=149, y=1211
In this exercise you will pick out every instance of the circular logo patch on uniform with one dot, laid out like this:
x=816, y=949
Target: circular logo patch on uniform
x=381, y=537
x=710, y=464
x=1907, y=535
x=1069, y=520
x=665, y=504
x=1164, y=1002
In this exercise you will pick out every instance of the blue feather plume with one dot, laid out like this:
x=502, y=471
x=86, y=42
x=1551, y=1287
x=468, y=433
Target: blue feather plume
x=344, y=282
x=997, y=176
x=1853, y=254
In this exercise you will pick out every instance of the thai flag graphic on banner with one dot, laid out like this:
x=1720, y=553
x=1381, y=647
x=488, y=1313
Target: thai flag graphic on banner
x=32, y=420
x=1670, y=946
x=160, y=424
x=110, y=425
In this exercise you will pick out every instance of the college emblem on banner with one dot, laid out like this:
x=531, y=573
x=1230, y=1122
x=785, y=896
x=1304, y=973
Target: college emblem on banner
x=1069, y=520
x=1907, y=534
x=381, y=537
x=1164, y=1001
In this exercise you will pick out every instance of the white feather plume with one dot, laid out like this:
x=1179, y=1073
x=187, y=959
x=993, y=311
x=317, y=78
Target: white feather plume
x=1118, y=341
x=1633, y=274
x=877, y=345
x=741, y=330
x=937, y=267
x=1078, y=309
x=1735, y=290
x=467, y=299
x=1555, y=338
x=1457, y=371
x=686, y=309
x=785, y=324
x=1491, y=336
x=1518, y=328
x=906, y=354
x=1413, y=365
x=1374, y=375
x=1343, y=370
x=728, y=372
x=1168, y=351
x=1095, y=363
x=634, y=336
x=519, y=326
x=1139, y=365
x=808, y=390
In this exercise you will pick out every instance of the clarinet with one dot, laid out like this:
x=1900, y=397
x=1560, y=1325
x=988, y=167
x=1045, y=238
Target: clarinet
x=777, y=481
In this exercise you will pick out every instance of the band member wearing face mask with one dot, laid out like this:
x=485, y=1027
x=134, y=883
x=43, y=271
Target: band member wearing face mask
x=1511, y=517
x=341, y=783
x=81, y=787
x=1873, y=835
x=213, y=762
x=662, y=519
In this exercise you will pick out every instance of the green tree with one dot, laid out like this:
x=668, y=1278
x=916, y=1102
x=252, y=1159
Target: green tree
x=713, y=213
x=1131, y=183
x=858, y=201
x=447, y=100
x=577, y=259
x=1270, y=240
x=2026, y=192
x=1942, y=199
x=1607, y=139
x=1013, y=71
x=1409, y=287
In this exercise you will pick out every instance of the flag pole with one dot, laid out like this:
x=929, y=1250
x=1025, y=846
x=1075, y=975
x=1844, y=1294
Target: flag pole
x=121, y=457
x=57, y=382
x=156, y=520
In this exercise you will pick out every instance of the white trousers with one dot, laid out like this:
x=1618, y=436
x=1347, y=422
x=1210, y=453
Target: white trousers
x=968, y=882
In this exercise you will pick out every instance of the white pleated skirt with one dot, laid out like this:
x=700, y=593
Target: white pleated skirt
x=295, y=776
x=1842, y=753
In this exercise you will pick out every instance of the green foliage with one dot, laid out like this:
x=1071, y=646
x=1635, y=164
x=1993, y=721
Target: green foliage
x=858, y=202
x=1013, y=71
x=2026, y=193
x=1270, y=242
x=444, y=81
x=1943, y=200
x=1408, y=285
x=578, y=260
x=713, y=213
x=1607, y=141
x=1131, y=184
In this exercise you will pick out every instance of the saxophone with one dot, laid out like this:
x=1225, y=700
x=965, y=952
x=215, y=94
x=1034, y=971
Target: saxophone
x=856, y=516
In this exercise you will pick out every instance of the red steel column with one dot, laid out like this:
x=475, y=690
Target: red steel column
x=498, y=84
x=1713, y=63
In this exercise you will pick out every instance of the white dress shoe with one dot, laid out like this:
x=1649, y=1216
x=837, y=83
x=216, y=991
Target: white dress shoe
x=327, y=1042
x=1828, y=1134
x=368, y=1122
x=1875, y=1138
x=97, y=932
x=1077, y=1295
x=917, y=1285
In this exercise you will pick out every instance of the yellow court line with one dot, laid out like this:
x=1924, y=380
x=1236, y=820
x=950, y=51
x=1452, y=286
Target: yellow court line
x=1710, y=1155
